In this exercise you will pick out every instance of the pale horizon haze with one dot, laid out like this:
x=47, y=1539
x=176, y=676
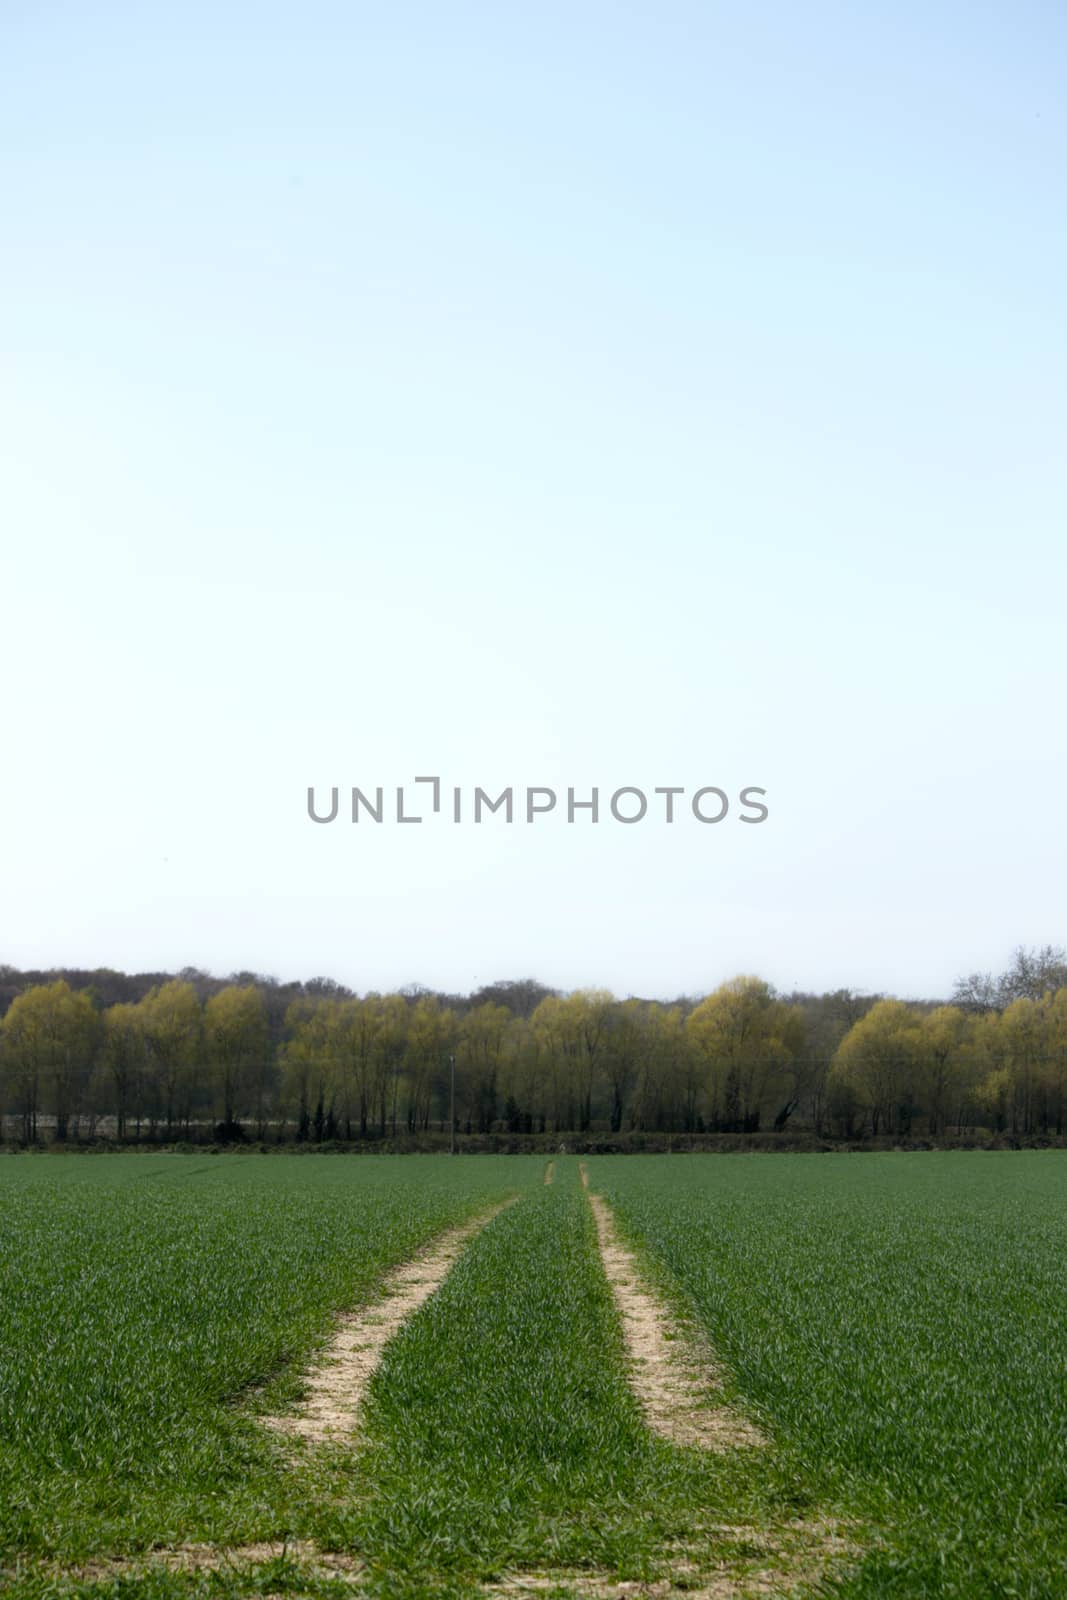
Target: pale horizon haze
x=567, y=396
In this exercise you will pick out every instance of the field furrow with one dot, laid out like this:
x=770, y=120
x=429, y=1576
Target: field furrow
x=674, y=1377
x=337, y=1384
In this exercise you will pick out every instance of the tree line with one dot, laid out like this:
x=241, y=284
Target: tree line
x=158, y=1057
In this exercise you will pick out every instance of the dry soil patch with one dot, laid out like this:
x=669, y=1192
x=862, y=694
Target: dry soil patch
x=337, y=1384
x=674, y=1378
x=797, y=1555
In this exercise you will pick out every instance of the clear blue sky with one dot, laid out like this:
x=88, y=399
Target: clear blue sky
x=664, y=394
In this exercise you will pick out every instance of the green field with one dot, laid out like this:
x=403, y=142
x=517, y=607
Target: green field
x=896, y=1325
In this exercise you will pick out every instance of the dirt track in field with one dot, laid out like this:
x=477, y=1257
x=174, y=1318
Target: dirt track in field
x=336, y=1386
x=768, y=1563
x=674, y=1379
x=795, y=1556
x=206, y=1558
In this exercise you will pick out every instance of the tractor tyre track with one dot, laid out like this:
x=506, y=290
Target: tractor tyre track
x=676, y=1379
x=336, y=1385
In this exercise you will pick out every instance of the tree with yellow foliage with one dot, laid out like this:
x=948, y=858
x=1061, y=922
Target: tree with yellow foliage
x=875, y=1067
x=49, y=1035
x=747, y=1039
x=235, y=1031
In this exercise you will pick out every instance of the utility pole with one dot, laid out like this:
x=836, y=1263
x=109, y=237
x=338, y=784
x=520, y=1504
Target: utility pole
x=452, y=1109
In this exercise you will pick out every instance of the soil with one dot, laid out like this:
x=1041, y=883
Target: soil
x=675, y=1380
x=336, y=1386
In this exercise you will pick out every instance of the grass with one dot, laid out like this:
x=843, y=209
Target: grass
x=897, y=1324
x=501, y=1433
x=901, y=1321
x=145, y=1301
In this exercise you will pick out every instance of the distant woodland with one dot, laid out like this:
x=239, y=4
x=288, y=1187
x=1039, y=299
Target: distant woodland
x=101, y=1056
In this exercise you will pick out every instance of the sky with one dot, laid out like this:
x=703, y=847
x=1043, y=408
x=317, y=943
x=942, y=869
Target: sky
x=566, y=396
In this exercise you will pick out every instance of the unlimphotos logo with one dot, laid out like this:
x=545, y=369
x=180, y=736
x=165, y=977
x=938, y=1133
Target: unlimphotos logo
x=458, y=803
